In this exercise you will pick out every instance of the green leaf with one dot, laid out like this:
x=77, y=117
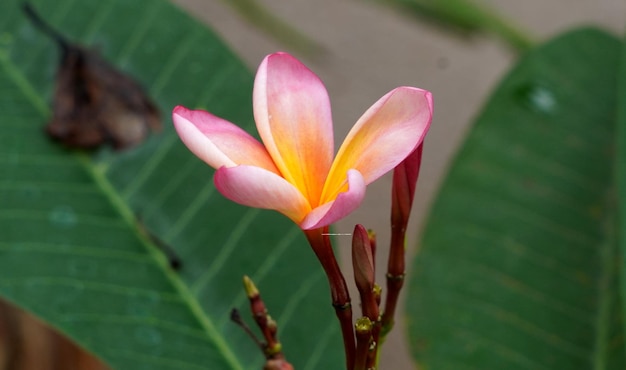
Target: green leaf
x=519, y=266
x=466, y=16
x=71, y=251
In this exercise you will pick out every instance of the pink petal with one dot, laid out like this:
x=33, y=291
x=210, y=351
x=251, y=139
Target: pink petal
x=219, y=142
x=292, y=113
x=345, y=203
x=383, y=137
x=255, y=187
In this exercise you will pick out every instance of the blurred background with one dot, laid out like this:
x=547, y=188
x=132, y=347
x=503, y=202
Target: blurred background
x=361, y=49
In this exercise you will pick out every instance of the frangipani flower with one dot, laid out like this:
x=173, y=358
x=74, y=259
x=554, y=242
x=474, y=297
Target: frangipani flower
x=293, y=170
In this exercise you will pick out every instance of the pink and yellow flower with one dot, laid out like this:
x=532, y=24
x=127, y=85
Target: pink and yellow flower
x=293, y=170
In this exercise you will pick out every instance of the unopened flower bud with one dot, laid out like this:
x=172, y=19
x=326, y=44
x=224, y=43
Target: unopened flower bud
x=403, y=190
x=362, y=260
x=251, y=289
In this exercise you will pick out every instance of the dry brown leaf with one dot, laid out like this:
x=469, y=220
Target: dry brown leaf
x=94, y=103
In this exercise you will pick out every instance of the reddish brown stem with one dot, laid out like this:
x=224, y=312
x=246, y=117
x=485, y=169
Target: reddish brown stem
x=264, y=321
x=373, y=350
x=403, y=191
x=320, y=242
x=363, y=329
x=395, y=278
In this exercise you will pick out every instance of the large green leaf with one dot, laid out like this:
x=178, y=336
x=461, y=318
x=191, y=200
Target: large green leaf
x=518, y=266
x=70, y=249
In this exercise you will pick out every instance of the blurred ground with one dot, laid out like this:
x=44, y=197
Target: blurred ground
x=370, y=49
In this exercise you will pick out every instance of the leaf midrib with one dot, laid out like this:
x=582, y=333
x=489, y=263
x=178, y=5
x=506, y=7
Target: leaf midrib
x=125, y=212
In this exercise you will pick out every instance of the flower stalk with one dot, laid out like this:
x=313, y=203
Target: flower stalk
x=322, y=247
x=364, y=262
x=363, y=328
x=404, y=181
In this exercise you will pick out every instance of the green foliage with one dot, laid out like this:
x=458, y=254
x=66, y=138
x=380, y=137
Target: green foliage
x=71, y=250
x=466, y=16
x=520, y=264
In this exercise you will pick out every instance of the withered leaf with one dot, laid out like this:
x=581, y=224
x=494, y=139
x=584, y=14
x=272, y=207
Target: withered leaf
x=93, y=102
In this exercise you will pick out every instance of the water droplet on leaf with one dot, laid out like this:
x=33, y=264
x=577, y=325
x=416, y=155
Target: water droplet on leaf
x=148, y=335
x=63, y=216
x=538, y=98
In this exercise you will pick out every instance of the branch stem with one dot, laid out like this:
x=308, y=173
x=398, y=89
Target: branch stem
x=322, y=247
